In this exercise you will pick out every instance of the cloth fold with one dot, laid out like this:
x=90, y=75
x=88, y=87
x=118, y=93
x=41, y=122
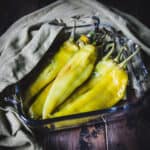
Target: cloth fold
x=14, y=134
x=24, y=44
x=23, y=51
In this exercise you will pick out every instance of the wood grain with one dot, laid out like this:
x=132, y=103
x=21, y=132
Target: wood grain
x=124, y=131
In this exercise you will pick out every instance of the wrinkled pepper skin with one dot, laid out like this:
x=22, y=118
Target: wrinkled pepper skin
x=107, y=91
x=66, y=51
x=35, y=110
x=72, y=75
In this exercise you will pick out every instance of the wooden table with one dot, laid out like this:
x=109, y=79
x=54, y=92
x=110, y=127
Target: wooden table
x=126, y=131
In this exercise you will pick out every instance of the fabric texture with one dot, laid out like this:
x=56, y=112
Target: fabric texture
x=26, y=41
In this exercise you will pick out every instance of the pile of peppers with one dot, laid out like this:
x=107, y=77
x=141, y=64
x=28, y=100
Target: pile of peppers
x=87, y=74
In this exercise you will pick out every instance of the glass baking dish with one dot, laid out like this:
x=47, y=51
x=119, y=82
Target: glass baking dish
x=86, y=118
x=104, y=116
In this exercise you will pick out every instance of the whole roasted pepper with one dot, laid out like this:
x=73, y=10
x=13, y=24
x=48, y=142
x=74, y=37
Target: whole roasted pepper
x=71, y=76
x=99, y=70
x=107, y=91
x=35, y=110
x=66, y=51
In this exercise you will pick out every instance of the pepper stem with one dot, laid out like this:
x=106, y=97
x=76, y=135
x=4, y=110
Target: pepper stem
x=72, y=36
x=122, y=64
x=116, y=59
x=112, y=46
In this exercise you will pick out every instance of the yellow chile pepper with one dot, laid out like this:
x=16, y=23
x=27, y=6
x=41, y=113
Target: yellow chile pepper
x=107, y=91
x=99, y=70
x=71, y=76
x=66, y=51
x=35, y=110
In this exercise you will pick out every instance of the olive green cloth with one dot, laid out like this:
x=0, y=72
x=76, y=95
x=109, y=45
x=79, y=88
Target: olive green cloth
x=27, y=40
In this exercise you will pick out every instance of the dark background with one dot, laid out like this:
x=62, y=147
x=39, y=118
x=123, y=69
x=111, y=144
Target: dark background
x=11, y=10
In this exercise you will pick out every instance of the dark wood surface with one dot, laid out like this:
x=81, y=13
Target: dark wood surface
x=128, y=130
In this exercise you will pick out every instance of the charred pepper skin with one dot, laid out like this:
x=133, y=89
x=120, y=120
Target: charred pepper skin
x=73, y=74
x=66, y=51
